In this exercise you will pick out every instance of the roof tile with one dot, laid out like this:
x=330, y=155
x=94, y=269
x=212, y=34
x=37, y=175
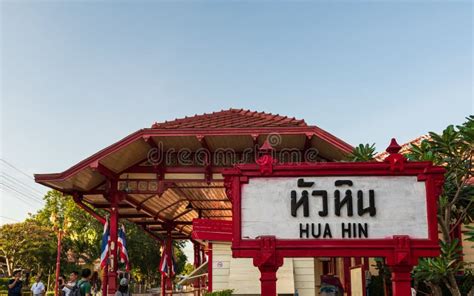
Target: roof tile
x=232, y=118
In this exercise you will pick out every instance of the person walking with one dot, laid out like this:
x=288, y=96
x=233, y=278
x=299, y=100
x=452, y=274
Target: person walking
x=38, y=288
x=15, y=284
x=84, y=283
x=123, y=289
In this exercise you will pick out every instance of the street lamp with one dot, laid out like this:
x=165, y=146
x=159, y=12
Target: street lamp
x=60, y=229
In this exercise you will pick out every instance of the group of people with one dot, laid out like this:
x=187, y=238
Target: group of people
x=15, y=285
x=87, y=285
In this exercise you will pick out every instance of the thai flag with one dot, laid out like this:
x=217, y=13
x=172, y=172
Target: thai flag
x=164, y=268
x=122, y=247
x=104, y=254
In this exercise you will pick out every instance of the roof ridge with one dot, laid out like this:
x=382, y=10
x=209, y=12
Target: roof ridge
x=231, y=117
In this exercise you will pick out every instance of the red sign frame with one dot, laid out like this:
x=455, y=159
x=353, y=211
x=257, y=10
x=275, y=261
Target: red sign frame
x=401, y=252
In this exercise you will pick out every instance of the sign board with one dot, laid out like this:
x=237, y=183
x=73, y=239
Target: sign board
x=334, y=207
x=367, y=209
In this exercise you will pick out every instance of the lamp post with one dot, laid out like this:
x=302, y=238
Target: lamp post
x=60, y=229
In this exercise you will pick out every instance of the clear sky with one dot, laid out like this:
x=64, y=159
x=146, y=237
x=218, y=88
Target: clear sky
x=77, y=76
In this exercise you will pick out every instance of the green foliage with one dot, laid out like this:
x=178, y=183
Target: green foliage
x=188, y=268
x=452, y=149
x=32, y=244
x=82, y=232
x=220, y=293
x=437, y=269
x=4, y=283
x=362, y=153
x=27, y=244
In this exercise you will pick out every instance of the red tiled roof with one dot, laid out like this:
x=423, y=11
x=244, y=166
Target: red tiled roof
x=232, y=118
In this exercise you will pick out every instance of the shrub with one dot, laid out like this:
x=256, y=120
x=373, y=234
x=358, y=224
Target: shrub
x=220, y=293
x=4, y=283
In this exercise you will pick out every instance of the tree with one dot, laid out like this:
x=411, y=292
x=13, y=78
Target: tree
x=32, y=244
x=362, y=153
x=453, y=149
x=27, y=244
x=84, y=232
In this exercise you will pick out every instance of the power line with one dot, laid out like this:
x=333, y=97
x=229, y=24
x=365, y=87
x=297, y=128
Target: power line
x=21, y=193
x=20, y=183
x=18, y=197
x=17, y=169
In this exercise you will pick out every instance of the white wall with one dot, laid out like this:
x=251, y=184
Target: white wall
x=240, y=274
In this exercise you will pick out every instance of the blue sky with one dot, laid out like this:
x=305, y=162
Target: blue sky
x=78, y=76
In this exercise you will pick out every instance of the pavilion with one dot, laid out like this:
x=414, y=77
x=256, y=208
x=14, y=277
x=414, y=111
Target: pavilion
x=167, y=179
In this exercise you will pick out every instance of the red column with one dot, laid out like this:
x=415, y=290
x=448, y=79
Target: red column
x=105, y=279
x=163, y=285
x=209, y=268
x=268, y=261
x=114, y=219
x=401, y=280
x=169, y=250
x=347, y=275
x=268, y=280
x=197, y=263
x=401, y=265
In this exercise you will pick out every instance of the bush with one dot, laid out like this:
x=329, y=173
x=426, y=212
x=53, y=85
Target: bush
x=4, y=283
x=220, y=293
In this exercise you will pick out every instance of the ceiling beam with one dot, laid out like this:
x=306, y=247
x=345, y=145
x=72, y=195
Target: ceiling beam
x=103, y=170
x=107, y=206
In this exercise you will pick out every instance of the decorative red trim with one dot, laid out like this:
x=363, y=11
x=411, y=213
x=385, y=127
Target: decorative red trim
x=142, y=134
x=212, y=230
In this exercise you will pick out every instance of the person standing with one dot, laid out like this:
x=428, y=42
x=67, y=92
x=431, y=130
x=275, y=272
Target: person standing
x=95, y=283
x=123, y=289
x=15, y=284
x=84, y=284
x=71, y=284
x=38, y=288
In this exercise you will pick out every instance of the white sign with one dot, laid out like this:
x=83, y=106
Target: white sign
x=342, y=207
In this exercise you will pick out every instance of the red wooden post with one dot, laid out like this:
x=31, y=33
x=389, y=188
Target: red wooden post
x=114, y=219
x=209, y=268
x=268, y=263
x=197, y=263
x=58, y=262
x=401, y=280
x=347, y=275
x=169, y=250
x=268, y=280
x=105, y=279
x=163, y=284
x=401, y=264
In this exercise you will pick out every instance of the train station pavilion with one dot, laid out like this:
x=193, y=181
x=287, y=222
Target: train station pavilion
x=168, y=179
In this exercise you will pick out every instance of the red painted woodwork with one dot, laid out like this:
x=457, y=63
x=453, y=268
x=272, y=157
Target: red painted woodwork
x=401, y=252
x=78, y=201
x=114, y=220
x=209, y=267
x=347, y=275
x=212, y=230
